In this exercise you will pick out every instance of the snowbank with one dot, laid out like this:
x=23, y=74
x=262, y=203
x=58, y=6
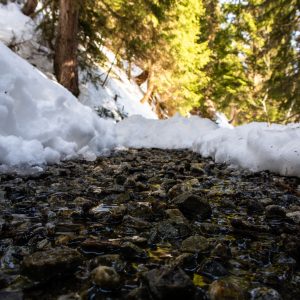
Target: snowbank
x=40, y=121
x=120, y=96
x=174, y=133
x=255, y=146
x=14, y=26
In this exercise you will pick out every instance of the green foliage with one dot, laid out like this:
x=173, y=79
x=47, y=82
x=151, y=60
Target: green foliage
x=254, y=67
x=241, y=55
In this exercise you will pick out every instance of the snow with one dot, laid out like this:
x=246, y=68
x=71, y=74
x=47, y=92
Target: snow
x=14, y=25
x=222, y=120
x=255, y=146
x=42, y=123
x=175, y=133
x=119, y=96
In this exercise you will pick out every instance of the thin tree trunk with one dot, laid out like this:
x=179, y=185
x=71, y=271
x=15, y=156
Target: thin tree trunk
x=65, y=59
x=29, y=7
x=150, y=86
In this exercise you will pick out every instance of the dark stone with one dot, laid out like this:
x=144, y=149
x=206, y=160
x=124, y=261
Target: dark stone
x=105, y=277
x=196, y=168
x=212, y=268
x=264, y=293
x=274, y=212
x=195, y=244
x=140, y=293
x=136, y=223
x=186, y=261
x=169, y=231
x=131, y=251
x=11, y=295
x=222, y=251
x=100, y=247
x=44, y=265
x=169, y=283
x=254, y=207
x=193, y=207
x=120, y=179
x=226, y=288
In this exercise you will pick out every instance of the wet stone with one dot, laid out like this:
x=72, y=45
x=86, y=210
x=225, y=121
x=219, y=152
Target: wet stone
x=131, y=251
x=105, y=277
x=264, y=293
x=295, y=216
x=169, y=231
x=212, y=268
x=136, y=223
x=44, y=265
x=195, y=244
x=275, y=211
x=226, y=289
x=193, y=206
x=149, y=224
x=169, y=283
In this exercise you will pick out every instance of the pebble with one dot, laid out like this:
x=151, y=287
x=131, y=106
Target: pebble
x=168, y=224
x=193, y=206
x=105, y=277
x=195, y=244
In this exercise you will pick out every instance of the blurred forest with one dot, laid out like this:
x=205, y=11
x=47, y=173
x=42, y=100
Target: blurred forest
x=198, y=56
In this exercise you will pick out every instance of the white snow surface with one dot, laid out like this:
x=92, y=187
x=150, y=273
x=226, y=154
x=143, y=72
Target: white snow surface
x=174, y=133
x=42, y=123
x=255, y=146
x=120, y=96
x=14, y=25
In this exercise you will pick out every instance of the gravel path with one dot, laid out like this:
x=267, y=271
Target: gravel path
x=149, y=224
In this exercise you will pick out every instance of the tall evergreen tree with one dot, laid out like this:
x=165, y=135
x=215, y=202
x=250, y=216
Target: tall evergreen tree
x=252, y=56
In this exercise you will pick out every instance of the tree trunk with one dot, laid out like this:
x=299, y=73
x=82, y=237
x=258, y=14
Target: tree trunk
x=29, y=7
x=150, y=86
x=65, y=59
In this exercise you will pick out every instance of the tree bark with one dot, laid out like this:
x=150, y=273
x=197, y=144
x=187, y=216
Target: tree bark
x=65, y=59
x=29, y=7
x=150, y=86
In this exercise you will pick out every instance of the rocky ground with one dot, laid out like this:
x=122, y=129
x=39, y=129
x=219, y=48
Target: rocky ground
x=149, y=224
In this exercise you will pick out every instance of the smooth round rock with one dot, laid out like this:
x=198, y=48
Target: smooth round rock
x=105, y=277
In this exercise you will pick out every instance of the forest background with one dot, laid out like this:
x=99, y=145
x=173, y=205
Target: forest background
x=197, y=56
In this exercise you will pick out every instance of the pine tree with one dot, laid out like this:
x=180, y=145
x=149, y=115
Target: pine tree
x=251, y=58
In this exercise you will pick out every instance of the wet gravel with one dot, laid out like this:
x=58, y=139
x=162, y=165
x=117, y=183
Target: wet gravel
x=149, y=224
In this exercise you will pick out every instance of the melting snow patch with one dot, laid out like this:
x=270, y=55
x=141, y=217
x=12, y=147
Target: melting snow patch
x=41, y=122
